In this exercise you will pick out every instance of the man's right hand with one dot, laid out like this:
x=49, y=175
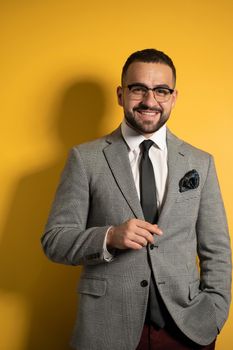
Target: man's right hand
x=132, y=234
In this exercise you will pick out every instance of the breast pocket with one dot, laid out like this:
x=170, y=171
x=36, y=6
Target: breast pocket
x=188, y=195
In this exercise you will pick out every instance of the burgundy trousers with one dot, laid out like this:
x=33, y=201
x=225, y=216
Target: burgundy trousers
x=168, y=339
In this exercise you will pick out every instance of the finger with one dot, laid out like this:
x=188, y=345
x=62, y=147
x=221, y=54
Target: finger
x=134, y=245
x=144, y=233
x=139, y=240
x=155, y=229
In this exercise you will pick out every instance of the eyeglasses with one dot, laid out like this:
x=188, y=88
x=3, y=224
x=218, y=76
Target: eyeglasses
x=139, y=91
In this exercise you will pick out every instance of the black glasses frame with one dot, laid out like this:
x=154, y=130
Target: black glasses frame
x=130, y=86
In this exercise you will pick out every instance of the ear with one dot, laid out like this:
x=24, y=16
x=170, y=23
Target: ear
x=120, y=95
x=174, y=98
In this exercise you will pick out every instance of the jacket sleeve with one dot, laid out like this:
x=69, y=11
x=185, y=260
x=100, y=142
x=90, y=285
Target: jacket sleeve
x=213, y=245
x=66, y=239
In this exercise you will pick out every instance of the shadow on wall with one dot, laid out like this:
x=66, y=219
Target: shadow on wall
x=48, y=289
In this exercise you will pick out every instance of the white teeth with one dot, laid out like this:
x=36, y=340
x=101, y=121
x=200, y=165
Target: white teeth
x=149, y=113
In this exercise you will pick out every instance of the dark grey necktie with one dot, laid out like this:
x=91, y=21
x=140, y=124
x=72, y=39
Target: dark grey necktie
x=147, y=184
x=150, y=211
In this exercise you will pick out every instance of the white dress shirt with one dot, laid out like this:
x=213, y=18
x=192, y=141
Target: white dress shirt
x=158, y=157
x=157, y=154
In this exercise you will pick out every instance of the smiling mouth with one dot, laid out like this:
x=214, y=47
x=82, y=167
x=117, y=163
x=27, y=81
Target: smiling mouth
x=148, y=113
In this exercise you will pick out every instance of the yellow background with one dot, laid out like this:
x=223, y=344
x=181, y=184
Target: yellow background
x=60, y=64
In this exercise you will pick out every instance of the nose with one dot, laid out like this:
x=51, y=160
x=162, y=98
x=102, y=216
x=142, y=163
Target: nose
x=149, y=99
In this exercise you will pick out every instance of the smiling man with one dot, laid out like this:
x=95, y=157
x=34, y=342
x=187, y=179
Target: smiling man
x=136, y=208
x=147, y=95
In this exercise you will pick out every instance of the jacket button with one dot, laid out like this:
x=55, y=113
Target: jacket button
x=144, y=283
x=152, y=246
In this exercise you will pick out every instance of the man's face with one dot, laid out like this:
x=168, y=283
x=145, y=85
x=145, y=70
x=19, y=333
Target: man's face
x=146, y=115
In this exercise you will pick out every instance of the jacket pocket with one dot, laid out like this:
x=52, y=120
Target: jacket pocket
x=194, y=289
x=93, y=286
x=188, y=195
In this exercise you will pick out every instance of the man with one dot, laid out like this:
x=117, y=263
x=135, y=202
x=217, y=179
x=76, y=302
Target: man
x=136, y=213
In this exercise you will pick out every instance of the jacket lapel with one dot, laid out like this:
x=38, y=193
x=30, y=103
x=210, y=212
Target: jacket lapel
x=177, y=165
x=116, y=154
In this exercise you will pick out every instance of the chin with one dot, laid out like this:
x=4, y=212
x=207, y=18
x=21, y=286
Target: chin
x=150, y=128
x=146, y=127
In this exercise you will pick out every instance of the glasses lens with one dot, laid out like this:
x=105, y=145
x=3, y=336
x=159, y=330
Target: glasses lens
x=137, y=91
x=162, y=94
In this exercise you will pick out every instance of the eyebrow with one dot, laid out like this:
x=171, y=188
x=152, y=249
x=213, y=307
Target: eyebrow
x=156, y=86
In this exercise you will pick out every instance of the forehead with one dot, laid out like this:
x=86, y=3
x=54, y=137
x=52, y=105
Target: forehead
x=150, y=74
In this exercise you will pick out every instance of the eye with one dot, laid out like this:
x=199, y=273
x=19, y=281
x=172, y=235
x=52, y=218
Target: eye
x=138, y=89
x=162, y=91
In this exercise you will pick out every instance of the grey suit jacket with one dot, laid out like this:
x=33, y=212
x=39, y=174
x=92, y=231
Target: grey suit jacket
x=96, y=191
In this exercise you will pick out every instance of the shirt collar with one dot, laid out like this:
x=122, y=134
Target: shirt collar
x=134, y=139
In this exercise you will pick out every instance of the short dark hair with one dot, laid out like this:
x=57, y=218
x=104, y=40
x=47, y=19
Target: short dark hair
x=148, y=56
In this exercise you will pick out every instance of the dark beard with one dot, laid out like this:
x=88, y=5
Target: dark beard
x=146, y=127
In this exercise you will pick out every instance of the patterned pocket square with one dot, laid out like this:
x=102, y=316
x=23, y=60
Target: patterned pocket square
x=190, y=181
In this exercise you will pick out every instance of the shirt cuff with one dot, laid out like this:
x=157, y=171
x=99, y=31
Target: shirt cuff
x=106, y=254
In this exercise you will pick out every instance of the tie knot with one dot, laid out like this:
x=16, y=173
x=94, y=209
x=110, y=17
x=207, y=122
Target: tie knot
x=146, y=145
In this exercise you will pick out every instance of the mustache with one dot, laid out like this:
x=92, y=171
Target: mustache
x=147, y=108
